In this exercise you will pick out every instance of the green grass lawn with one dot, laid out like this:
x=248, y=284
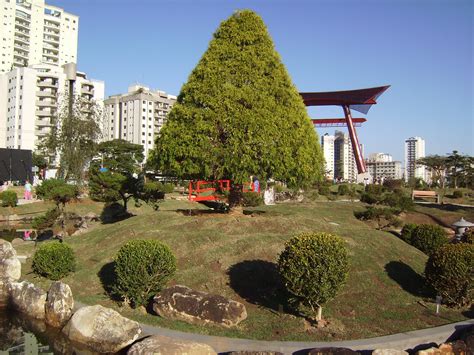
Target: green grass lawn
x=234, y=255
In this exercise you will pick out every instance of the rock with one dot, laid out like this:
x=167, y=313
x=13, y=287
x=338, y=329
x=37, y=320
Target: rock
x=91, y=216
x=6, y=250
x=4, y=291
x=161, y=345
x=430, y=351
x=101, y=329
x=181, y=302
x=10, y=268
x=389, y=352
x=27, y=298
x=244, y=352
x=332, y=351
x=59, y=304
x=456, y=347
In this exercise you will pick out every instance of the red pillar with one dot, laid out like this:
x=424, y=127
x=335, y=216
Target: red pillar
x=354, y=140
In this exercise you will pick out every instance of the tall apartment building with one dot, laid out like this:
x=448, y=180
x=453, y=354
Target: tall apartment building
x=381, y=166
x=339, y=157
x=32, y=32
x=136, y=116
x=30, y=97
x=414, y=150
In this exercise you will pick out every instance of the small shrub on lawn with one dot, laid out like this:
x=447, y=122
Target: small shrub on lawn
x=468, y=237
x=142, y=268
x=278, y=188
x=374, y=189
x=428, y=238
x=399, y=200
x=458, y=194
x=168, y=188
x=314, y=266
x=385, y=217
x=251, y=199
x=370, y=198
x=343, y=190
x=407, y=231
x=54, y=260
x=47, y=220
x=393, y=185
x=324, y=190
x=9, y=199
x=450, y=271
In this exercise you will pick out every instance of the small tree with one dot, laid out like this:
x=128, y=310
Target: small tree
x=450, y=271
x=314, y=266
x=116, y=173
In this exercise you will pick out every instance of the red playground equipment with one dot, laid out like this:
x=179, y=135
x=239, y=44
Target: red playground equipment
x=358, y=100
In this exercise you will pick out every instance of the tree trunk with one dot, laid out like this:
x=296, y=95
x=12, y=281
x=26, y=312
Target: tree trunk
x=235, y=196
x=319, y=315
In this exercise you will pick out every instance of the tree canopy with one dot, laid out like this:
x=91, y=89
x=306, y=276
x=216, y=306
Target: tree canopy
x=239, y=114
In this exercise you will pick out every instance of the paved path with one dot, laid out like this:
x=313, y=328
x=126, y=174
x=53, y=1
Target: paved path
x=401, y=341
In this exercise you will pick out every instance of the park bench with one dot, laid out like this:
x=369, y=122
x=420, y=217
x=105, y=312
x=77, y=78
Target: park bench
x=424, y=194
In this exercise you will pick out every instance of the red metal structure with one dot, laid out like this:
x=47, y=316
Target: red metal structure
x=205, y=190
x=359, y=100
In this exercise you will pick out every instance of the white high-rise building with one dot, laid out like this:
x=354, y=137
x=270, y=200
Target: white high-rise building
x=32, y=32
x=137, y=116
x=380, y=158
x=414, y=150
x=339, y=156
x=30, y=97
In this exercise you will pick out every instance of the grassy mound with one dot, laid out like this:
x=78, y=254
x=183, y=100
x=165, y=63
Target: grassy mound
x=234, y=255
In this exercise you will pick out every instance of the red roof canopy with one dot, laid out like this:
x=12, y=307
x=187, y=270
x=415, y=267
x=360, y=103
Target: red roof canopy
x=359, y=100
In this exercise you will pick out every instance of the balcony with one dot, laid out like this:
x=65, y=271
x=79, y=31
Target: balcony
x=50, y=24
x=22, y=24
x=21, y=46
x=21, y=38
x=51, y=39
x=50, y=54
x=46, y=93
x=44, y=113
x=89, y=90
x=43, y=123
x=47, y=84
x=46, y=103
x=21, y=54
x=51, y=47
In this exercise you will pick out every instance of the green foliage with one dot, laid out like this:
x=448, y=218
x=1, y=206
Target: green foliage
x=450, y=271
x=57, y=190
x=73, y=135
x=407, y=231
x=468, y=237
x=428, y=238
x=458, y=194
x=399, y=200
x=153, y=193
x=239, y=114
x=54, y=260
x=122, y=180
x=384, y=216
x=47, y=220
x=251, y=199
x=311, y=195
x=142, y=268
x=343, y=190
x=393, y=184
x=375, y=189
x=39, y=160
x=370, y=198
x=314, y=266
x=324, y=190
x=9, y=198
x=168, y=188
x=278, y=188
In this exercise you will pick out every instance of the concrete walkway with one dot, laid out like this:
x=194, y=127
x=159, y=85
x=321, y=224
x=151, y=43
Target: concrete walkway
x=401, y=341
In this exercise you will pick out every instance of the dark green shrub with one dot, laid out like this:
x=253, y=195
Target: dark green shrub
x=153, y=193
x=142, y=268
x=370, y=198
x=407, y=231
x=399, y=200
x=428, y=238
x=314, y=266
x=54, y=260
x=450, y=271
x=278, y=188
x=374, y=189
x=168, y=188
x=251, y=199
x=384, y=216
x=311, y=195
x=324, y=190
x=47, y=220
x=458, y=194
x=343, y=190
x=393, y=184
x=9, y=199
x=57, y=190
x=468, y=237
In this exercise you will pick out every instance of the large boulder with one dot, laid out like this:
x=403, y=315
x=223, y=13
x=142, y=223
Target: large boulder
x=332, y=351
x=161, y=345
x=101, y=329
x=59, y=304
x=181, y=302
x=10, y=268
x=6, y=250
x=4, y=291
x=27, y=298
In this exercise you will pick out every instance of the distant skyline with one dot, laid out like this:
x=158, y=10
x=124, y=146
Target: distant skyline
x=422, y=48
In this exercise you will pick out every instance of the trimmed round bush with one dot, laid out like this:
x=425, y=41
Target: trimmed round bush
x=450, y=271
x=324, y=190
x=54, y=260
x=343, y=190
x=142, y=268
x=9, y=198
x=314, y=266
x=458, y=194
x=252, y=199
x=428, y=238
x=407, y=231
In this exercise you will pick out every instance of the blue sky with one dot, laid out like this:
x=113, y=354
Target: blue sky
x=423, y=48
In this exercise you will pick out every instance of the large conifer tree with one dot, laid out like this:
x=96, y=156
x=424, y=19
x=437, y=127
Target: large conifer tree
x=239, y=114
